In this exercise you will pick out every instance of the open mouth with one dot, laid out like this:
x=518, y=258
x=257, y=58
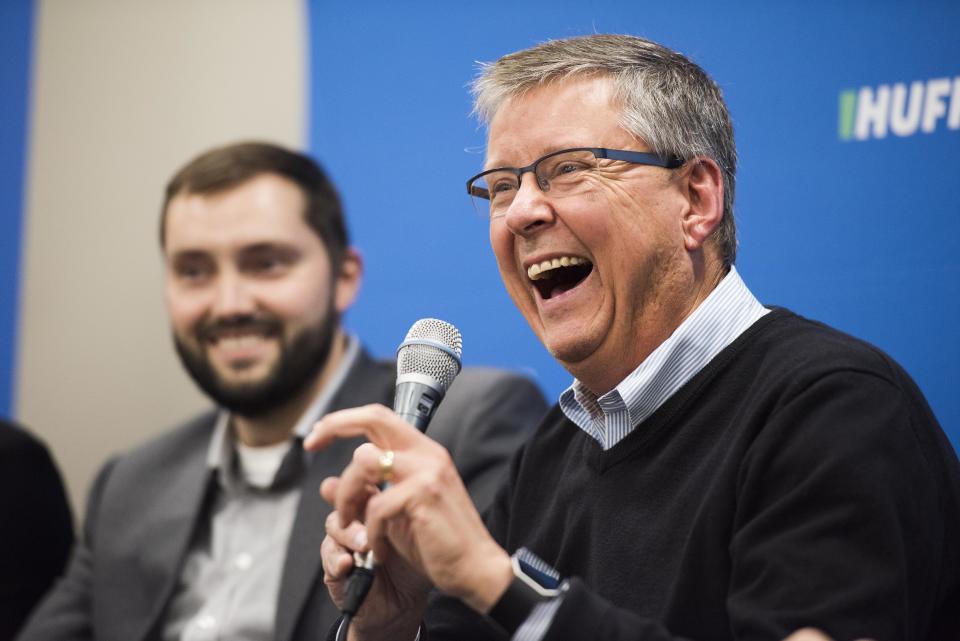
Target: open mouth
x=558, y=275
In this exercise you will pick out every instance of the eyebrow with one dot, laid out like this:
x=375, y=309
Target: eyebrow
x=545, y=152
x=266, y=245
x=269, y=247
x=188, y=254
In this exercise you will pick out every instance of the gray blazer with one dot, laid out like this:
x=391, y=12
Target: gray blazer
x=144, y=507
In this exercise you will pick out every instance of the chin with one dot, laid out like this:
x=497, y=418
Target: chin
x=570, y=353
x=245, y=379
x=241, y=382
x=241, y=378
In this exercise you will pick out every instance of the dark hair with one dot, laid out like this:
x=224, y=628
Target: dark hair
x=226, y=167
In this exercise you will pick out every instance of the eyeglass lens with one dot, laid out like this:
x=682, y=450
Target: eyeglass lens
x=560, y=174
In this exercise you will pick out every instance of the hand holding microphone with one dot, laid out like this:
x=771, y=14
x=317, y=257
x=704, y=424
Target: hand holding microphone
x=423, y=529
x=428, y=360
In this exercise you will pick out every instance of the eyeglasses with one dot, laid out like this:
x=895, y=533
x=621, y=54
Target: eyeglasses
x=561, y=173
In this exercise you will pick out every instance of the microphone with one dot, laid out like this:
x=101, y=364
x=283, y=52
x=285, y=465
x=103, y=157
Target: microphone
x=428, y=360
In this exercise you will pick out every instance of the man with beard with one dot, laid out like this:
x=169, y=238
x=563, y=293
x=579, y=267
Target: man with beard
x=210, y=531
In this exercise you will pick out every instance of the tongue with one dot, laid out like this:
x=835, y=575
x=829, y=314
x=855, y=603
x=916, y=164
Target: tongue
x=561, y=288
x=563, y=280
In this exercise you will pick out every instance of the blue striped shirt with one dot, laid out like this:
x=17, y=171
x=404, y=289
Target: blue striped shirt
x=725, y=314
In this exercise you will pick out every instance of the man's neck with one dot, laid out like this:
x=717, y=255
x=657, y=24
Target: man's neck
x=278, y=424
x=603, y=374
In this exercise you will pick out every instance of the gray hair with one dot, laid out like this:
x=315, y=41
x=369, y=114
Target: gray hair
x=666, y=100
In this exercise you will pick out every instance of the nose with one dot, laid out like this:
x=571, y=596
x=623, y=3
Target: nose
x=531, y=209
x=233, y=296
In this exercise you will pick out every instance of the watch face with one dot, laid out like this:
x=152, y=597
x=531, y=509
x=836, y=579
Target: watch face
x=542, y=578
x=533, y=582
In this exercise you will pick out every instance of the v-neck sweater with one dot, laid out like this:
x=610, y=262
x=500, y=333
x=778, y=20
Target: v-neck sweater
x=798, y=479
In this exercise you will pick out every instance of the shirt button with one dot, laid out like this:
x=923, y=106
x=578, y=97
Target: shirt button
x=243, y=561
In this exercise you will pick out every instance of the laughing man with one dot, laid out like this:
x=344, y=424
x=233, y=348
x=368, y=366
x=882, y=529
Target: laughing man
x=717, y=470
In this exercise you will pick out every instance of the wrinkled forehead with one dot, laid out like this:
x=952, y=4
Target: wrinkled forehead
x=574, y=112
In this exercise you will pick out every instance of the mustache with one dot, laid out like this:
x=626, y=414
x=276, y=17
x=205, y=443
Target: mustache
x=259, y=323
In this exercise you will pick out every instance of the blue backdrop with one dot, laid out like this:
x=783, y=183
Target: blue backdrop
x=848, y=127
x=16, y=22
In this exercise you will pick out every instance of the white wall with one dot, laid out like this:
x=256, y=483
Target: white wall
x=124, y=92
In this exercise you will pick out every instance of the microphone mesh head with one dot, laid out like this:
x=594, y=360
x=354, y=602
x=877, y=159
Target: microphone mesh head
x=432, y=348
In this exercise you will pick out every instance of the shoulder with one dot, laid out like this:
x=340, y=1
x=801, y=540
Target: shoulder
x=151, y=481
x=480, y=388
x=786, y=348
x=179, y=447
x=821, y=393
x=26, y=465
x=484, y=402
x=792, y=384
x=17, y=443
x=28, y=473
x=187, y=435
x=474, y=378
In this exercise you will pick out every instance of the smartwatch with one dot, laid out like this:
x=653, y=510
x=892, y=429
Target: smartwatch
x=528, y=588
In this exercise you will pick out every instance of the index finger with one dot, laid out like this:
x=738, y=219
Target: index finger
x=380, y=425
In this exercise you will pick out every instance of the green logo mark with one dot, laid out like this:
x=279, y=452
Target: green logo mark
x=848, y=107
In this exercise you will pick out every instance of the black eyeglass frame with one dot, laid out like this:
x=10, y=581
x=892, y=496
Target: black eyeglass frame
x=635, y=157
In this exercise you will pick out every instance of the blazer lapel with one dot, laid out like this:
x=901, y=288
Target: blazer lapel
x=178, y=509
x=367, y=382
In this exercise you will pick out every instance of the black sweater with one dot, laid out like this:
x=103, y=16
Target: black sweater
x=799, y=479
x=36, y=528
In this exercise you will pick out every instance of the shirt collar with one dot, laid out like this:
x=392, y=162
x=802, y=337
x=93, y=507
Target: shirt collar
x=221, y=455
x=725, y=314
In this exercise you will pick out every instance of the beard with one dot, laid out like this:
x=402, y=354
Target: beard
x=302, y=357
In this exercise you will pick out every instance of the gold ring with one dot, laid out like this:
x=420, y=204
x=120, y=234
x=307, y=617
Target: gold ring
x=386, y=466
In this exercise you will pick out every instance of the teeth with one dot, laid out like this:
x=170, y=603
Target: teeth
x=239, y=342
x=541, y=270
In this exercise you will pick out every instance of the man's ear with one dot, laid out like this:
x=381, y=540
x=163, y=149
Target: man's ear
x=703, y=184
x=347, y=281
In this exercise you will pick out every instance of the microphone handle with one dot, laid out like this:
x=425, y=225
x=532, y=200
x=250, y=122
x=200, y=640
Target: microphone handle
x=415, y=403
x=415, y=400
